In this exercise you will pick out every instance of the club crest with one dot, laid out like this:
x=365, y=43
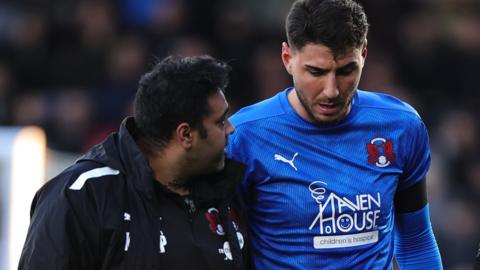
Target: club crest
x=380, y=152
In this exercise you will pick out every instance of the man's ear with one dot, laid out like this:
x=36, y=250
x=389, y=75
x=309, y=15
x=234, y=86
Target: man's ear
x=364, y=50
x=287, y=57
x=184, y=135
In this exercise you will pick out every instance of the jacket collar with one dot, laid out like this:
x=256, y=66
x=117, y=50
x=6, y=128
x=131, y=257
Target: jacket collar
x=120, y=151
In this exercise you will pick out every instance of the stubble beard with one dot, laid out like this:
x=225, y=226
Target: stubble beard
x=216, y=165
x=341, y=115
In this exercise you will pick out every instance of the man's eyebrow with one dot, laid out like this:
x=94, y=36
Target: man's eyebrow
x=349, y=65
x=315, y=68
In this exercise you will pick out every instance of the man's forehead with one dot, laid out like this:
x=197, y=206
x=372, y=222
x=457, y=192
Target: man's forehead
x=217, y=102
x=320, y=55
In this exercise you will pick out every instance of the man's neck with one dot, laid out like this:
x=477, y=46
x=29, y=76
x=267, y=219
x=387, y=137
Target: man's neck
x=168, y=171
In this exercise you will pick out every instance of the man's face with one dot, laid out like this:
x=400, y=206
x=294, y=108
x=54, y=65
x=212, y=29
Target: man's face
x=324, y=83
x=209, y=151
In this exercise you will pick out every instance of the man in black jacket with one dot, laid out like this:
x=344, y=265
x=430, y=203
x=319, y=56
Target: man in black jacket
x=158, y=194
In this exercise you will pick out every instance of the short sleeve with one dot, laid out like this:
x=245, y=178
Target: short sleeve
x=418, y=155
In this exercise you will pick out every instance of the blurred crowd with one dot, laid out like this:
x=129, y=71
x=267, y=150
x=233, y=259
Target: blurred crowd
x=72, y=67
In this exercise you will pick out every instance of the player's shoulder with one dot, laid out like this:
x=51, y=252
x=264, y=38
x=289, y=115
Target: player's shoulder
x=263, y=110
x=386, y=102
x=75, y=178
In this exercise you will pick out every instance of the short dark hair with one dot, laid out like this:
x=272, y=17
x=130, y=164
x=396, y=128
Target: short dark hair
x=337, y=24
x=176, y=90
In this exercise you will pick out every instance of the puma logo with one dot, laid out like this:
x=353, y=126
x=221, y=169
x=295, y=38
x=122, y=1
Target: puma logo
x=283, y=159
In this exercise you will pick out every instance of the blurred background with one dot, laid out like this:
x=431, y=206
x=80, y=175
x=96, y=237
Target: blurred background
x=72, y=67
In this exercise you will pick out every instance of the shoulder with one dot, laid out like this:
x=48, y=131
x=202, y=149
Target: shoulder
x=381, y=101
x=81, y=174
x=263, y=110
x=78, y=183
x=91, y=172
x=387, y=109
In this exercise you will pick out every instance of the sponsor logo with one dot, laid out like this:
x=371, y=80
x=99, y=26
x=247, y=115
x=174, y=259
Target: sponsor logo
x=285, y=160
x=349, y=240
x=342, y=221
x=380, y=152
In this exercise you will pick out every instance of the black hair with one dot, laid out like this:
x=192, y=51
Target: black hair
x=176, y=90
x=337, y=24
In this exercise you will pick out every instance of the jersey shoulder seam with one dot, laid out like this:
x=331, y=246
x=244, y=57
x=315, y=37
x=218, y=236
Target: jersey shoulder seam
x=387, y=109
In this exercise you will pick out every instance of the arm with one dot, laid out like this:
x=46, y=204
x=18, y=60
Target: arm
x=415, y=245
x=61, y=233
x=414, y=242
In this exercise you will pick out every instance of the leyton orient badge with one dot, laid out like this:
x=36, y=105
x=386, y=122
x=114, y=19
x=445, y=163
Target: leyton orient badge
x=380, y=152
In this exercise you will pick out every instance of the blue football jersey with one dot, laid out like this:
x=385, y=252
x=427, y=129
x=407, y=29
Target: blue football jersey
x=321, y=196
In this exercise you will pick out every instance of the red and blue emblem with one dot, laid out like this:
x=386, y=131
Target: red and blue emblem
x=380, y=152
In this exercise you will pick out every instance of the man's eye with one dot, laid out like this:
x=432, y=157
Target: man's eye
x=344, y=72
x=316, y=73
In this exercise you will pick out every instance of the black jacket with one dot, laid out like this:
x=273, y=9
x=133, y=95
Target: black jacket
x=105, y=212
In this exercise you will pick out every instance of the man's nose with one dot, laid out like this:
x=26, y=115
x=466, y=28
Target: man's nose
x=330, y=89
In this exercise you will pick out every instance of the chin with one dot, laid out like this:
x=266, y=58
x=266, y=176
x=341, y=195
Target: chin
x=330, y=119
x=327, y=120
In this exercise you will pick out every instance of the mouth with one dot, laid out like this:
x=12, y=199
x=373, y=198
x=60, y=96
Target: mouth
x=329, y=108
